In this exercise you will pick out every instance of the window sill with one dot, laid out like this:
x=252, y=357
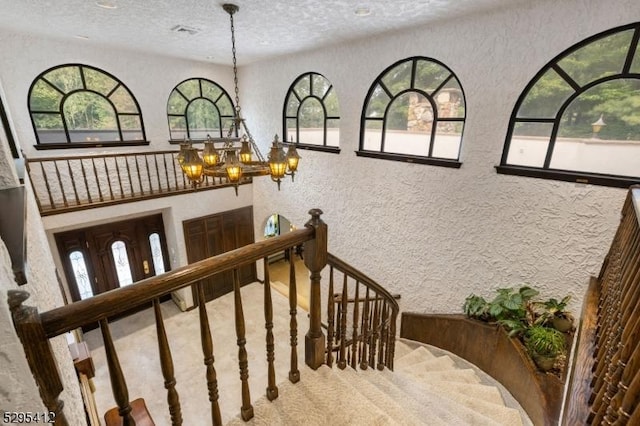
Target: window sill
x=321, y=148
x=101, y=144
x=194, y=141
x=569, y=176
x=442, y=162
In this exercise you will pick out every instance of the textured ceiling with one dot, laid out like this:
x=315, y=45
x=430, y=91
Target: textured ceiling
x=264, y=29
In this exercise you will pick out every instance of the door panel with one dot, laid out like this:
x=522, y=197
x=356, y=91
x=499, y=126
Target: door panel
x=216, y=234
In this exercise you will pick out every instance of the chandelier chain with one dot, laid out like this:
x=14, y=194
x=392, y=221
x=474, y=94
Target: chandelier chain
x=235, y=65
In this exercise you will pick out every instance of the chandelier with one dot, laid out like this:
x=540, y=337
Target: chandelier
x=237, y=157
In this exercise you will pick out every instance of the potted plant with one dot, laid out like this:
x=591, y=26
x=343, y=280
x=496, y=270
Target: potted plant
x=476, y=307
x=544, y=344
x=557, y=316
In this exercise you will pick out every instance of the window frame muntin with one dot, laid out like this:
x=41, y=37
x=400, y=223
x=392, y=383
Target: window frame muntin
x=419, y=159
x=93, y=144
x=223, y=92
x=291, y=90
x=593, y=178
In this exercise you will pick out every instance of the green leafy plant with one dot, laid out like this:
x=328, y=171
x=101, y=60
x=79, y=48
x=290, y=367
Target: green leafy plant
x=545, y=341
x=476, y=307
x=532, y=321
x=555, y=314
x=510, y=304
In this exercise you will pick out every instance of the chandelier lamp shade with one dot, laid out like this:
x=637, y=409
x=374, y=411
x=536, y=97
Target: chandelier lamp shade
x=237, y=157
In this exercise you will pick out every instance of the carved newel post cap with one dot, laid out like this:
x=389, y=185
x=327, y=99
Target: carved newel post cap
x=15, y=298
x=315, y=213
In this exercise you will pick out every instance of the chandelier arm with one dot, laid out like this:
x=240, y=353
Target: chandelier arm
x=252, y=141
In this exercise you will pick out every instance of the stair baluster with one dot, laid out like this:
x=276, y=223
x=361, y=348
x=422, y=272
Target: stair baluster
x=374, y=332
x=365, y=332
x=246, y=411
x=272, y=389
x=354, y=336
x=342, y=359
x=383, y=337
x=330, y=319
x=207, y=349
x=294, y=373
x=166, y=365
x=118, y=383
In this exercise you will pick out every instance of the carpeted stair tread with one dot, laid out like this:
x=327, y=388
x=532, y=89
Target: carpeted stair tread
x=292, y=407
x=494, y=409
x=446, y=409
x=417, y=355
x=402, y=349
x=484, y=392
x=466, y=375
x=431, y=411
x=342, y=406
x=424, y=389
x=402, y=414
x=440, y=363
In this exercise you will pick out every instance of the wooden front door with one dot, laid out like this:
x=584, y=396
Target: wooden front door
x=212, y=235
x=113, y=255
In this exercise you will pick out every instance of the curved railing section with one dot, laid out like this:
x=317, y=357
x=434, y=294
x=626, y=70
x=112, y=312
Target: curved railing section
x=361, y=319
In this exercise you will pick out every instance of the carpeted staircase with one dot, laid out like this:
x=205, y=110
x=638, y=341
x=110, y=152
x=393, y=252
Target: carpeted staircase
x=428, y=387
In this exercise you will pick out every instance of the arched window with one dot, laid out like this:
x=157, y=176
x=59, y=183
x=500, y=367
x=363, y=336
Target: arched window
x=414, y=112
x=199, y=107
x=578, y=120
x=311, y=116
x=78, y=105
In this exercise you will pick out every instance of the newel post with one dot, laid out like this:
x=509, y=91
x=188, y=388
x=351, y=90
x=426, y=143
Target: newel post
x=315, y=259
x=40, y=357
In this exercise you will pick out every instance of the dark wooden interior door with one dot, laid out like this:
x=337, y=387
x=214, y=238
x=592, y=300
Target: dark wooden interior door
x=212, y=235
x=112, y=255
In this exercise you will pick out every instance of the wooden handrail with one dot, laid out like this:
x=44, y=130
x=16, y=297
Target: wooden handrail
x=605, y=380
x=66, y=318
x=361, y=277
x=88, y=156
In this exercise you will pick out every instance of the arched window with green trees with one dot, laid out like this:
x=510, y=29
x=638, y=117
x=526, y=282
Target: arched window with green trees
x=77, y=105
x=198, y=108
x=414, y=112
x=578, y=120
x=311, y=114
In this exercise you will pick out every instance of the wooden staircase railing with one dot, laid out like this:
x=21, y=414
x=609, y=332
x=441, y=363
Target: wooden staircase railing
x=374, y=330
x=361, y=325
x=65, y=184
x=605, y=381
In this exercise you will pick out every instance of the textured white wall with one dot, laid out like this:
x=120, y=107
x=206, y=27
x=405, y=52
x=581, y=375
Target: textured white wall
x=149, y=77
x=18, y=391
x=435, y=234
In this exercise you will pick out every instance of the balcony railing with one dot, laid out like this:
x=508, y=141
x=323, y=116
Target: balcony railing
x=65, y=184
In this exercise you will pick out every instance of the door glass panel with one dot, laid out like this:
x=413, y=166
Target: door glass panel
x=121, y=261
x=81, y=275
x=156, y=253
